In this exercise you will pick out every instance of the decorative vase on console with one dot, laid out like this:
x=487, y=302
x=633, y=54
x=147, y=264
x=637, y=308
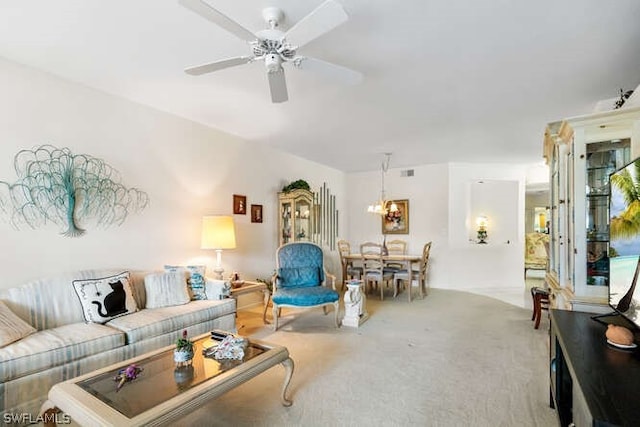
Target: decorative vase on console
x=183, y=354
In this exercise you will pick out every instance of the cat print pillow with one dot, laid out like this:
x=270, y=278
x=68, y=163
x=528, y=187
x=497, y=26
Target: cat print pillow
x=105, y=298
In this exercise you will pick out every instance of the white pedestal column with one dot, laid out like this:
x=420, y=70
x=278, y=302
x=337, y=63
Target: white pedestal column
x=355, y=310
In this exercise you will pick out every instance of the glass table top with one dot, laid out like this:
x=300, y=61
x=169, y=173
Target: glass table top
x=160, y=379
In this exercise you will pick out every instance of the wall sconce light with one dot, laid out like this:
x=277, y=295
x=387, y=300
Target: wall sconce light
x=481, y=222
x=218, y=232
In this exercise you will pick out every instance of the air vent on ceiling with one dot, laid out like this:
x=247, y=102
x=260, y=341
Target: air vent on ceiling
x=406, y=172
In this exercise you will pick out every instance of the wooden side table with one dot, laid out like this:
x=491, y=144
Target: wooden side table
x=249, y=286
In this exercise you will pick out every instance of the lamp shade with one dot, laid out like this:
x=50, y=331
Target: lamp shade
x=218, y=232
x=482, y=221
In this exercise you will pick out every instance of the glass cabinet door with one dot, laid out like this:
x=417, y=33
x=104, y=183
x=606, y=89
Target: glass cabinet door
x=285, y=221
x=603, y=158
x=296, y=220
x=303, y=216
x=554, y=227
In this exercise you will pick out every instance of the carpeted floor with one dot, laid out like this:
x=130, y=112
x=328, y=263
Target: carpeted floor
x=451, y=359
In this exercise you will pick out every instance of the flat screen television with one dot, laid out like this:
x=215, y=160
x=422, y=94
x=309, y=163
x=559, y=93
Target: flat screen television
x=624, y=241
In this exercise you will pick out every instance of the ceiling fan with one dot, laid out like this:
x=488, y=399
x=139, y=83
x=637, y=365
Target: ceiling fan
x=275, y=47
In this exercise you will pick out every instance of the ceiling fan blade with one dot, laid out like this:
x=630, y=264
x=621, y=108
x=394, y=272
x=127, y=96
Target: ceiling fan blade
x=323, y=19
x=218, y=65
x=206, y=11
x=278, y=86
x=329, y=70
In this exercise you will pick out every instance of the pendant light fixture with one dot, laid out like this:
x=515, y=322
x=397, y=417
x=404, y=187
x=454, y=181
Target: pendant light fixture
x=382, y=206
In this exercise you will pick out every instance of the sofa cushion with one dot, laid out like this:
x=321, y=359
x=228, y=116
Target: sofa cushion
x=52, y=347
x=151, y=322
x=12, y=328
x=166, y=289
x=195, y=279
x=105, y=298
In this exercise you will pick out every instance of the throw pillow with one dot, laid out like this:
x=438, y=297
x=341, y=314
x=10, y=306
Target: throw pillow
x=12, y=328
x=166, y=289
x=105, y=298
x=195, y=279
x=218, y=289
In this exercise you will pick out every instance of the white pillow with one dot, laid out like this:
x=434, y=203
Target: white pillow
x=217, y=289
x=166, y=289
x=105, y=298
x=195, y=275
x=12, y=328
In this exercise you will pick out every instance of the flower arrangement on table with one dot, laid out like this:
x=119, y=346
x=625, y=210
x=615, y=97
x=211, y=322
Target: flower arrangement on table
x=183, y=354
x=129, y=373
x=231, y=347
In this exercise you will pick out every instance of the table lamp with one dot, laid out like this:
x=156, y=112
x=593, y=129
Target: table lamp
x=218, y=232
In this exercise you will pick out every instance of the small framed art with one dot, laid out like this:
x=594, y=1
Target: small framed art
x=256, y=213
x=239, y=204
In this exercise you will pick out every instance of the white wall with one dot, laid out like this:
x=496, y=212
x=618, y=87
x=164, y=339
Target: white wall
x=427, y=192
x=439, y=211
x=499, y=263
x=190, y=170
x=187, y=169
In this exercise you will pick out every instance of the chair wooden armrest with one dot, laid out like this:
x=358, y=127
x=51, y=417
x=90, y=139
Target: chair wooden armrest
x=332, y=278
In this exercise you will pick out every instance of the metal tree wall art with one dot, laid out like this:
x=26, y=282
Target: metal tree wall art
x=55, y=185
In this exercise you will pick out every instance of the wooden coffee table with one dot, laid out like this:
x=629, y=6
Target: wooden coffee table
x=162, y=393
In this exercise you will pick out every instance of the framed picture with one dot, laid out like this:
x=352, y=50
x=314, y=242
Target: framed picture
x=397, y=222
x=256, y=213
x=239, y=204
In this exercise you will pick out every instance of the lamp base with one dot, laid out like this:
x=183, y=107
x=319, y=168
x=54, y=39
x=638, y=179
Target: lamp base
x=219, y=273
x=219, y=270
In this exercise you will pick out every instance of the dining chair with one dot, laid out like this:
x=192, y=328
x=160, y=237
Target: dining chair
x=374, y=270
x=419, y=275
x=396, y=247
x=349, y=271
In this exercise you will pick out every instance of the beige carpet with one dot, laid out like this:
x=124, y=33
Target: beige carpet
x=452, y=359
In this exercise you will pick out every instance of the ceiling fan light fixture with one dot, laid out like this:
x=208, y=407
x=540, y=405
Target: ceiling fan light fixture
x=273, y=62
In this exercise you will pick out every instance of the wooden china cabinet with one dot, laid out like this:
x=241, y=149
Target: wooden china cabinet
x=581, y=153
x=295, y=216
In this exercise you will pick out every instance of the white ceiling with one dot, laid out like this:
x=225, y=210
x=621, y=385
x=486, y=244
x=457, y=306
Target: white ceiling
x=444, y=80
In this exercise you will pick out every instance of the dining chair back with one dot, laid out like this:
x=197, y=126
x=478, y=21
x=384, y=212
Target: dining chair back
x=374, y=271
x=349, y=270
x=396, y=247
x=420, y=274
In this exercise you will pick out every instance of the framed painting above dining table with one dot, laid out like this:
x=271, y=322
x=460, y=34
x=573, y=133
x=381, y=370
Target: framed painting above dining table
x=396, y=222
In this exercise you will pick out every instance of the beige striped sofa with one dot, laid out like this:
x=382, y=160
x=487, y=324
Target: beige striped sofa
x=65, y=346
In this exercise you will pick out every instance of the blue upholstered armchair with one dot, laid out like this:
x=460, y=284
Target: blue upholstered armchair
x=301, y=280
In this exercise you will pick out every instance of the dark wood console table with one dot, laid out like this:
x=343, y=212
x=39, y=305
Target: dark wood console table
x=592, y=382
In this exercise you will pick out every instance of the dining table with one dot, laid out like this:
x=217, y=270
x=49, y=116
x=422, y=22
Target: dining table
x=405, y=259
